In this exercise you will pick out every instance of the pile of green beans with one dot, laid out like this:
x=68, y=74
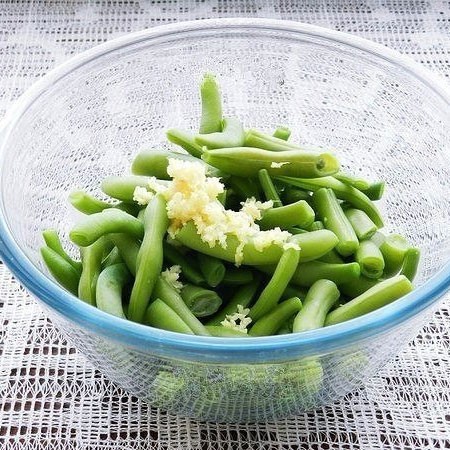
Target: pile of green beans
x=338, y=264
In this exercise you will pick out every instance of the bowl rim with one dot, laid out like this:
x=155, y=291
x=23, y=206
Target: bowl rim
x=200, y=348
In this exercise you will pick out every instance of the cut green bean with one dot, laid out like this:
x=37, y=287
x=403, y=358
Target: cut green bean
x=243, y=187
x=271, y=322
x=150, y=257
x=370, y=259
x=110, y=284
x=243, y=296
x=128, y=248
x=232, y=135
x=189, y=268
x=221, y=331
x=411, y=263
x=112, y=258
x=361, y=223
x=274, y=289
x=122, y=188
x=358, y=286
x=393, y=249
x=358, y=183
x=380, y=295
x=92, y=227
x=91, y=258
x=292, y=195
x=172, y=298
x=86, y=203
x=62, y=271
x=375, y=191
x=321, y=297
x=332, y=216
x=237, y=277
x=258, y=139
x=332, y=256
x=296, y=214
x=213, y=269
x=268, y=188
x=248, y=161
x=342, y=191
x=283, y=133
x=211, y=119
x=52, y=240
x=202, y=302
x=185, y=140
x=159, y=315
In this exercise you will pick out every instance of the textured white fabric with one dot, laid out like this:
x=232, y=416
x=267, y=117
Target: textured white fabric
x=50, y=397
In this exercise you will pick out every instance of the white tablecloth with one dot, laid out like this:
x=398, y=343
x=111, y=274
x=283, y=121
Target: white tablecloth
x=51, y=397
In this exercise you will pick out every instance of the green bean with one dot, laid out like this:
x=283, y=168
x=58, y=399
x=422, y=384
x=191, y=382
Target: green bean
x=221, y=331
x=92, y=227
x=411, y=263
x=237, y=277
x=274, y=289
x=91, y=257
x=62, y=271
x=268, y=188
x=212, y=269
x=243, y=296
x=112, y=258
x=314, y=244
x=375, y=191
x=333, y=217
x=155, y=162
x=294, y=291
x=52, y=240
x=358, y=183
x=344, y=192
x=172, y=298
x=393, y=249
x=370, y=259
x=185, y=140
x=306, y=274
x=361, y=223
x=271, y=322
x=150, y=257
x=122, y=188
x=86, y=203
x=258, y=139
x=292, y=195
x=232, y=135
x=282, y=133
x=128, y=248
x=189, y=267
x=243, y=187
x=332, y=256
x=211, y=119
x=321, y=297
x=296, y=214
x=247, y=161
x=110, y=284
x=358, y=286
x=380, y=295
x=202, y=302
x=296, y=230
x=159, y=315
x=131, y=208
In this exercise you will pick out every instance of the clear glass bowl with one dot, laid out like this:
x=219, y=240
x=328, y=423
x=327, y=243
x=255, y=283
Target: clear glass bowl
x=386, y=117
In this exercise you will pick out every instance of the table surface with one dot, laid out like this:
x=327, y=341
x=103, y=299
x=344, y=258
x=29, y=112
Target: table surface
x=51, y=397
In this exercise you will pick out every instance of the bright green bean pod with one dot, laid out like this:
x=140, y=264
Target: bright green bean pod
x=110, y=284
x=243, y=187
x=361, y=223
x=243, y=296
x=332, y=256
x=185, y=140
x=91, y=258
x=358, y=286
x=112, y=258
x=296, y=214
x=306, y=274
x=62, y=271
x=159, y=315
x=92, y=227
x=380, y=295
x=237, y=277
x=292, y=195
x=274, y=289
x=283, y=133
x=375, y=191
x=232, y=135
x=172, y=298
x=294, y=291
x=258, y=139
x=393, y=249
x=370, y=259
x=411, y=263
x=155, y=162
x=128, y=248
x=52, y=240
x=332, y=216
x=247, y=161
x=86, y=203
x=202, y=302
x=211, y=119
x=315, y=244
x=342, y=191
x=150, y=257
x=221, y=331
x=271, y=322
x=358, y=183
x=189, y=268
x=213, y=269
x=122, y=188
x=321, y=297
x=270, y=192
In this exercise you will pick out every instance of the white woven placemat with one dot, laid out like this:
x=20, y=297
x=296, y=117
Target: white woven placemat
x=51, y=397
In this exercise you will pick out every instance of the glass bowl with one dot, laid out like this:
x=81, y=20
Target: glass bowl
x=387, y=118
